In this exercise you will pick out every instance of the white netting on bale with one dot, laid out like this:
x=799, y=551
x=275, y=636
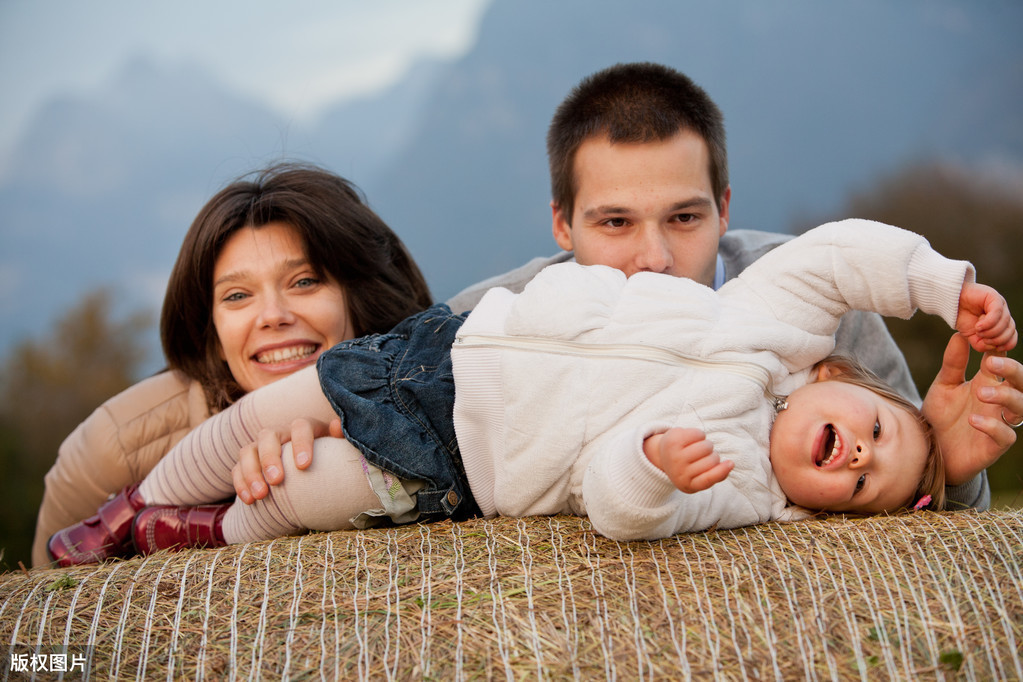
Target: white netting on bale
x=922, y=594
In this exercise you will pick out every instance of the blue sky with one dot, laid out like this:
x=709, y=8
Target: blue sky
x=295, y=56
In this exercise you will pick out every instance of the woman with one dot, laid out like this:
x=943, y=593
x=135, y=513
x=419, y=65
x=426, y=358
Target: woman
x=275, y=269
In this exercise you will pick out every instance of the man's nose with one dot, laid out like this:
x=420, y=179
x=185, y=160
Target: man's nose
x=653, y=252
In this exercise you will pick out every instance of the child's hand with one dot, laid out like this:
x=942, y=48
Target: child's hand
x=688, y=459
x=984, y=319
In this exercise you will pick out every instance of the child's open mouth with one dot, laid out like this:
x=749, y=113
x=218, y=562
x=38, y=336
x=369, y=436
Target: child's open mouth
x=830, y=447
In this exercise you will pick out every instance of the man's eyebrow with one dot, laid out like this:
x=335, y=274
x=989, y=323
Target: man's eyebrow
x=695, y=202
x=605, y=210
x=615, y=210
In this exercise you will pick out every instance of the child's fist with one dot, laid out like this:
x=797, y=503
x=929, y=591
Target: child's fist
x=687, y=458
x=984, y=319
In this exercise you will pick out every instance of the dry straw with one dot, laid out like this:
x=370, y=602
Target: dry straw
x=938, y=596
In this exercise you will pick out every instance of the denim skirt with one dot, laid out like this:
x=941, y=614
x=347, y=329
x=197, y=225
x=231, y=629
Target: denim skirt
x=395, y=395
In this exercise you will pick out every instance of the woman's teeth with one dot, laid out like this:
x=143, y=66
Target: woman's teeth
x=276, y=355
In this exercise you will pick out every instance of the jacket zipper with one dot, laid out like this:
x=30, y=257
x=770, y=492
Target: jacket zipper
x=666, y=356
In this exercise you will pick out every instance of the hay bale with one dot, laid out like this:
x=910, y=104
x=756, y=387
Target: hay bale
x=880, y=598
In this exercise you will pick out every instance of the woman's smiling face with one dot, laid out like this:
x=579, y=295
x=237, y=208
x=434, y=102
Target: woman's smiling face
x=272, y=312
x=842, y=447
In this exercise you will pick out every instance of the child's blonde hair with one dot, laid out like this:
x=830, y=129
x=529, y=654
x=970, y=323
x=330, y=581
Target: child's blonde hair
x=932, y=482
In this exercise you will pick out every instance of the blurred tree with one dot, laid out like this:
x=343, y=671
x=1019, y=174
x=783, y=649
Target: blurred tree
x=47, y=387
x=971, y=215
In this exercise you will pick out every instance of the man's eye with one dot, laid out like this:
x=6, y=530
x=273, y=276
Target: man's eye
x=877, y=429
x=615, y=222
x=860, y=482
x=685, y=217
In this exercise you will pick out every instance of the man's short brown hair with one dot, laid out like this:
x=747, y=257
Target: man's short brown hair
x=632, y=103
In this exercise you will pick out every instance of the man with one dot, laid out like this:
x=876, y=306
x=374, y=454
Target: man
x=639, y=180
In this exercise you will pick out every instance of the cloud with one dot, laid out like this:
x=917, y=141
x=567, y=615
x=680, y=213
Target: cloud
x=296, y=57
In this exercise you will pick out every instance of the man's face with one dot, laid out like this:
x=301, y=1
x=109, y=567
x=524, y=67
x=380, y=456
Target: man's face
x=645, y=207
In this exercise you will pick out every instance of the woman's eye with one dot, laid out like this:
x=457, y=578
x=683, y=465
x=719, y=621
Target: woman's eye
x=860, y=482
x=307, y=282
x=234, y=298
x=877, y=429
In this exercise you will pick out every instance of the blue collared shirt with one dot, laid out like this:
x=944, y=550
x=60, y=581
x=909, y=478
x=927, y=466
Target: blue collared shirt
x=719, y=273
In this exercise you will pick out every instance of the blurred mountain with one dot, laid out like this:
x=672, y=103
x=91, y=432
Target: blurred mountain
x=359, y=139
x=108, y=183
x=105, y=185
x=819, y=99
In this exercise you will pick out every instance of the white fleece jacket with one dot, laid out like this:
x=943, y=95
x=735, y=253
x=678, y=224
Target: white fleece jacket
x=557, y=387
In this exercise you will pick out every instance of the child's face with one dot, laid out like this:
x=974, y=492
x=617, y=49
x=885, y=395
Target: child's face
x=842, y=447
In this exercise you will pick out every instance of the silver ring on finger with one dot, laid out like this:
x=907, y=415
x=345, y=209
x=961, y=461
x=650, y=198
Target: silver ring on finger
x=1010, y=424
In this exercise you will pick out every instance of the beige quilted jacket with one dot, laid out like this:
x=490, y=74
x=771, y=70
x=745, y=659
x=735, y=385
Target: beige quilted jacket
x=115, y=446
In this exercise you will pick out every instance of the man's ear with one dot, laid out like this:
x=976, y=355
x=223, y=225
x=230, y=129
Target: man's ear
x=723, y=211
x=560, y=227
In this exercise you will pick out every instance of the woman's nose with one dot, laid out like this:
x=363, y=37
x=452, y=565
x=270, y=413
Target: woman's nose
x=275, y=311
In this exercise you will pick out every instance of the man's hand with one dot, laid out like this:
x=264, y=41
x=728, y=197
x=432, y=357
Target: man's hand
x=688, y=459
x=967, y=416
x=259, y=463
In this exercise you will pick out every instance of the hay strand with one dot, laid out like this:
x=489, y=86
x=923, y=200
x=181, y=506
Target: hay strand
x=938, y=595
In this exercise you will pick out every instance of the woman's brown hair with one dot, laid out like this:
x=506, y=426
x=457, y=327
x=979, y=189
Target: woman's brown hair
x=343, y=238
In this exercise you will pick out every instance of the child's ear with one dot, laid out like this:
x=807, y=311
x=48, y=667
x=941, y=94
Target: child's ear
x=827, y=370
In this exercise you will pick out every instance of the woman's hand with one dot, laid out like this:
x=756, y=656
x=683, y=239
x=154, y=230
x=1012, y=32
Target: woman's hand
x=259, y=464
x=687, y=458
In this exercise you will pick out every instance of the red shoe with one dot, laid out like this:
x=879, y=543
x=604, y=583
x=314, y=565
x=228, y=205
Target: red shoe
x=103, y=536
x=169, y=527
